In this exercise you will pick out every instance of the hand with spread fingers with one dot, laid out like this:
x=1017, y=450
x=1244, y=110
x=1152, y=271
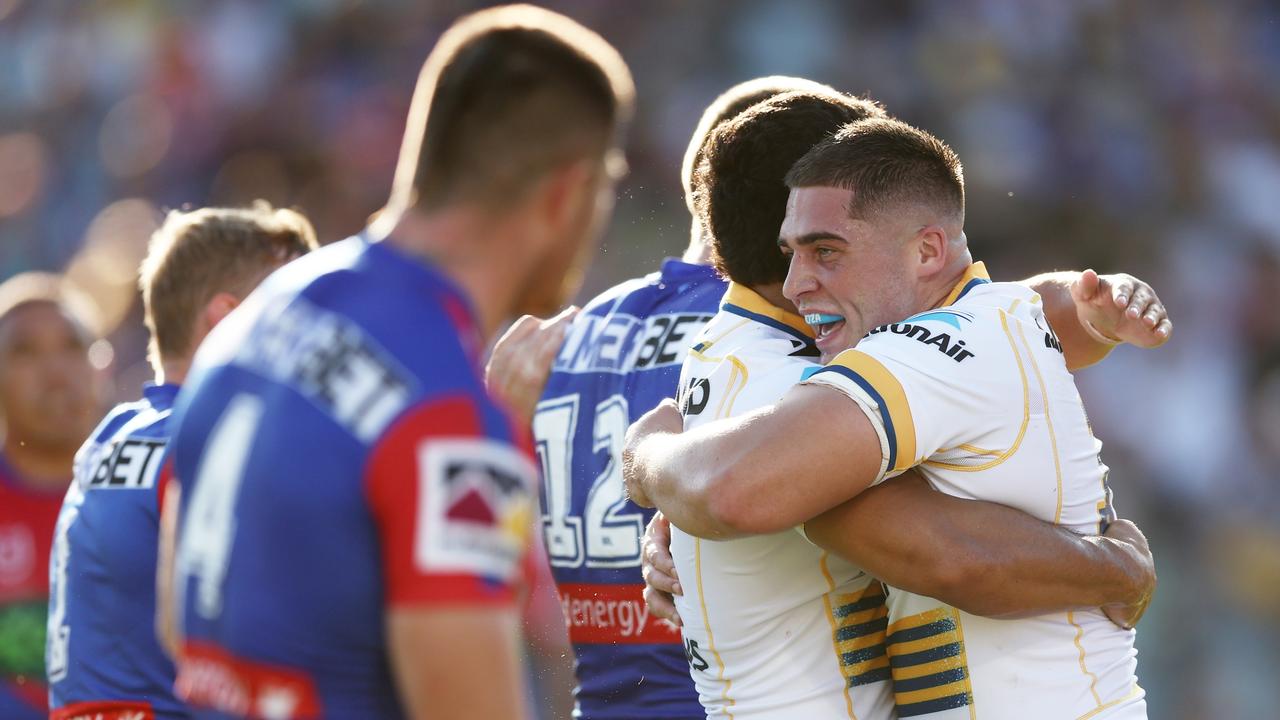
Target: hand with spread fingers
x=661, y=583
x=521, y=360
x=1120, y=308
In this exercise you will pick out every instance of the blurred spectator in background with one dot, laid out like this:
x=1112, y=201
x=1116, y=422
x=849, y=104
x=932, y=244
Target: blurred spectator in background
x=1142, y=135
x=48, y=402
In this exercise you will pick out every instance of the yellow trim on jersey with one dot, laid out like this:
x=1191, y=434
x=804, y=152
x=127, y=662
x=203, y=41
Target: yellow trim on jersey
x=1048, y=420
x=1093, y=679
x=706, y=622
x=751, y=301
x=973, y=272
x=1026, y=413
x=831, y=619
x=903, y=435
x=1133, y=693
x=739, y=371
x=701, y=354
x=971, y=449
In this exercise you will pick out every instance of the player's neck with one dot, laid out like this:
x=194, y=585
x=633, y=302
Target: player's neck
x=699, y=250
x=42, y=468
x=173, y=372
x=939, y=289
x=773, y=293
x=457, y=241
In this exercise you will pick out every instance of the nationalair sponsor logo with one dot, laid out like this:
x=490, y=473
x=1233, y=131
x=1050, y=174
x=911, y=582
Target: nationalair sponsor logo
x=941, y=340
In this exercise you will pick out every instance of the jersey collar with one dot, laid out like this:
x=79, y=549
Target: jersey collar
x=742, y=300
x=974, y=275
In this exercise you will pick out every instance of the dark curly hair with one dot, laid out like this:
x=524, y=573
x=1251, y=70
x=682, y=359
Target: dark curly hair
x=743, y=167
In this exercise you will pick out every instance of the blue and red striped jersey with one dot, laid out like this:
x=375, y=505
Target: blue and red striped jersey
x=338, y=454
x=621, y=357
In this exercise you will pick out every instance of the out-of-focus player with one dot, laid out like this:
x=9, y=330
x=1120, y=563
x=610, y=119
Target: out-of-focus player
x=620, y=358
x=874, y=229
x=776, y=626
x=48, y=401
x=103, y=659
x=355, y=506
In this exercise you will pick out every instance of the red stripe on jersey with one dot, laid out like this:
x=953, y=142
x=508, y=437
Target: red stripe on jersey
x=162, y=482
x=104, y=710
x=211, y=677
x=394, y=484
x=612, y=614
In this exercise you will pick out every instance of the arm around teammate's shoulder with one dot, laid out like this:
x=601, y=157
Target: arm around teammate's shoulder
x=758, y=473
x=984, y=558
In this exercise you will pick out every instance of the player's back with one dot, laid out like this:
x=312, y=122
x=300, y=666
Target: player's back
x=979, y=395
x=338, y=455
x=101, y=649
x=620, y=359
x=774, y=626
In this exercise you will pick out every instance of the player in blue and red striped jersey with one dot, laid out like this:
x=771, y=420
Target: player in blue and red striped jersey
x=102, y=656
x=622, y=356
x=48, y=403
x=355, y=506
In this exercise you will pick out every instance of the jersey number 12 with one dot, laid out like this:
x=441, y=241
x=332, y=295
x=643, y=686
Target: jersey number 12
x=605, y=534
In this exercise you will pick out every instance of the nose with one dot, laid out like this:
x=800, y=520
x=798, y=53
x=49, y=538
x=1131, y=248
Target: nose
x=800, y=279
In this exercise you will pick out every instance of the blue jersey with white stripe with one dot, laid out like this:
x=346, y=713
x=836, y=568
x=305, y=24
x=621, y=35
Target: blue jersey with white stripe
x=101, y=643
x=622, y=356
x=338, y=455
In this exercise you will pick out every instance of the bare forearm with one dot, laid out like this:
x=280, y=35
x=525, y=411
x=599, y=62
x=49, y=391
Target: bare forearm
x=983, y=558
x=1079, y=347
x=667, y=468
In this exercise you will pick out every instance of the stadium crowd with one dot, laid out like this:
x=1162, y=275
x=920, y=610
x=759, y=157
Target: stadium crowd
x=1140, y=137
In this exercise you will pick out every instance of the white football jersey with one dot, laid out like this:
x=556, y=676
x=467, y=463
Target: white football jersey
x=774, y=627
x=976, y=393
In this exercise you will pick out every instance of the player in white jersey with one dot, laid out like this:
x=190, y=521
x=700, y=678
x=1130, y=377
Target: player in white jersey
x=944, y=662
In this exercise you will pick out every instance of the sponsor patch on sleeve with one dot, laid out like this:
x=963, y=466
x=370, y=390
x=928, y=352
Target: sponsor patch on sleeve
x=475, y=506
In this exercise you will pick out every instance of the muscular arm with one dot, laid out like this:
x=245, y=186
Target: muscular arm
x=1092, y=313
x=755, y=474
x=457, y=662
x=983, y=558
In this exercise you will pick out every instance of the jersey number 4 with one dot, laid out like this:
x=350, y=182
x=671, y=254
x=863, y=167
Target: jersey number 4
x=605, y=534
x=204, y=547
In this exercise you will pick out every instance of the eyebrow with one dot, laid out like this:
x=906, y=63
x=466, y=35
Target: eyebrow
x=811, y=238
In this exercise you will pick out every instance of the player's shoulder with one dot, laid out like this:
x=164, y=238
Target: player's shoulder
x=676, y=287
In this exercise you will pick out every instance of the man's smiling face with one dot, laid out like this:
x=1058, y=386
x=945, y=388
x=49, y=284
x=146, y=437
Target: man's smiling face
x=847, y=274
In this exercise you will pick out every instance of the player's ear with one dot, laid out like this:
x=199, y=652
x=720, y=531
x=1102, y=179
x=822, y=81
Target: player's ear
x=932, y=250
x=218, y=307
x=565, y=193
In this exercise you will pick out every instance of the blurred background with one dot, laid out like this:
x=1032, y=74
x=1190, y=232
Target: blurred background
x=1136, y=136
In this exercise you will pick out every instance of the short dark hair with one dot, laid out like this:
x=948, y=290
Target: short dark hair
x=507, y=94
x=743, y=170
x=727, y=106
x=886, y=163
x=30, y=288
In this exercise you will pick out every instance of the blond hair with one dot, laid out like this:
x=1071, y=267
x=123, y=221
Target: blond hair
x=197, y=254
